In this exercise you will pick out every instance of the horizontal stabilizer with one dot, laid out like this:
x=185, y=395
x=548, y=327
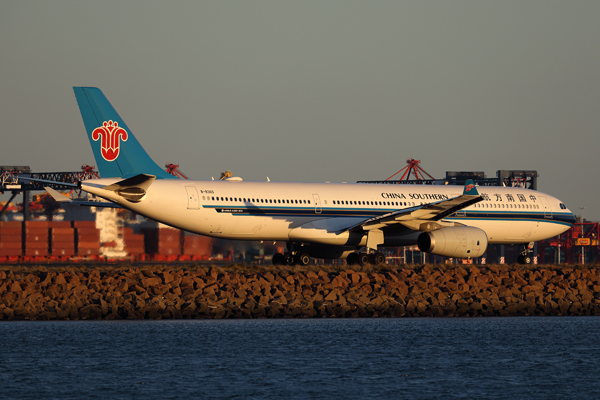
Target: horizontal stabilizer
x=62, y=199
x=69, y=184
x=141, y=181
x=56, y=195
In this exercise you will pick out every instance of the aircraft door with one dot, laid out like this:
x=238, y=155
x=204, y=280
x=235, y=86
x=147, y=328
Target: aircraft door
x=547, y=209
x=192, y=197
x=317, y=201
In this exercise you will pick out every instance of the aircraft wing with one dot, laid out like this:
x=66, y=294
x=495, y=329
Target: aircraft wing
x=424, y=217
x=61, y=199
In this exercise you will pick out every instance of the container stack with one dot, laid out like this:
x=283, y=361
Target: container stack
x=133, y=243
x=35, y=238
x=163, y=241
x=11, y=242
x=198, y=246
x=87, y=238
x=62, y=239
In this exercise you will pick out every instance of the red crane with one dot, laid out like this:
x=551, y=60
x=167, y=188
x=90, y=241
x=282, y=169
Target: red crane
x=412, y=167
x=173, y=169
x=87, y=172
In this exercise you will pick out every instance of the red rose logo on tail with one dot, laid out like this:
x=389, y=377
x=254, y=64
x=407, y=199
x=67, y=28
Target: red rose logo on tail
x=469, y=187
x=110, y=133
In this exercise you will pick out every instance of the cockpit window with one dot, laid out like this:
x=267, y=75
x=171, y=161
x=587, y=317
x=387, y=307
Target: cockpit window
x=562, y=206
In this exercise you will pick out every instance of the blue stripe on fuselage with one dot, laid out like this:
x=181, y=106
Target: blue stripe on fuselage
x=557, y=218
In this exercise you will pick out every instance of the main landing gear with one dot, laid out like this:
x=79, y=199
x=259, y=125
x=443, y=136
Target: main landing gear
x=364, y=259
x=291, y=259
x=525, y=256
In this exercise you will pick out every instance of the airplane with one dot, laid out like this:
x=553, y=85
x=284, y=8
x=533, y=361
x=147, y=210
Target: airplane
x=319, y=220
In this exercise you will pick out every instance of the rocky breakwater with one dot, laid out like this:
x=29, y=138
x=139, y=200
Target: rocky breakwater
x=239, y=292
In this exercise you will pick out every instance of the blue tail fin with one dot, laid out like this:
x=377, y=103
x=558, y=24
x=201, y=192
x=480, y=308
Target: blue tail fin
x=117, y=151
x=470, y=188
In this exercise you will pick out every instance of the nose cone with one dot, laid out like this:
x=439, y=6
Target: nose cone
x=563, y=215
x=571, y=219
x=564, y=222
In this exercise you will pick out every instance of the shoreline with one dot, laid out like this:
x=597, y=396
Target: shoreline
x=316, y=291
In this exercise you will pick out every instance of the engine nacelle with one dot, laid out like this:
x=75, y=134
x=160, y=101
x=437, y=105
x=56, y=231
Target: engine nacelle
x=460, y=242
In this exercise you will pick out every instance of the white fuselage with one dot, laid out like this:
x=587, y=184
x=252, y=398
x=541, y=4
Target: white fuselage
x=319, y=213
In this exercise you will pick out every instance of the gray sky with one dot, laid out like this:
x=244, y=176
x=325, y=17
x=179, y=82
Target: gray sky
x=313, y=90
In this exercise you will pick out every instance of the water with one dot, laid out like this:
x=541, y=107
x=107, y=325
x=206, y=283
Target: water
x=495, y=358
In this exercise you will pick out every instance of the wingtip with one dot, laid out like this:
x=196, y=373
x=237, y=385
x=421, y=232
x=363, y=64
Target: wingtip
x=56, y=195
x=470, y=188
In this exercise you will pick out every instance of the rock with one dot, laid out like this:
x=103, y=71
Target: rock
x=323, y=276
x=15, y=287
x=167, y=277
x=59, y=279
x=331, y=296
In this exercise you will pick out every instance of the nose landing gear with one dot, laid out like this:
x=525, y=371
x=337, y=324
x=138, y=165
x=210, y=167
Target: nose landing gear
x=525, y=256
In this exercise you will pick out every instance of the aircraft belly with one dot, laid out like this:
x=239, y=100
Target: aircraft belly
x=519, y=230
x=546, y=229
x=326, y=231
x=260, y=228
x=513, y=232
x=321, y=236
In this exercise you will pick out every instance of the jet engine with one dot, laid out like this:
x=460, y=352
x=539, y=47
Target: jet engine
x=460, y=242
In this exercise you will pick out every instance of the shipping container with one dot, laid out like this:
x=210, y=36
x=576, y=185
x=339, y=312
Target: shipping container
x=11, y=225
x=11, y=252
x=36, y=252
x=84, y=224
x=40, y=236
x=84, y=251
x=11, y=245
x=163, y=241
x=36, y=224
x=36, y=245
x=63, y=252
x=62, y=238
x=197, y=245
x=10, y=235
x=88, y=245
x=59, y=224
